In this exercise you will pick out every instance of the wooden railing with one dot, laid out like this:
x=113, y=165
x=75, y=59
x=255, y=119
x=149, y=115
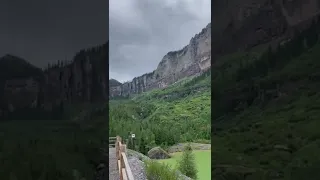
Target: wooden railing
x=112, y=142
x=123, y=164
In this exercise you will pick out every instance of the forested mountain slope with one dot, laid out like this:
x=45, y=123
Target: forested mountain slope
x=266, y=111
x=163, y=117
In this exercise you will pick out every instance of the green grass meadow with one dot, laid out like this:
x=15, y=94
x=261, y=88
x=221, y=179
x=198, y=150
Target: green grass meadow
x=203, y=160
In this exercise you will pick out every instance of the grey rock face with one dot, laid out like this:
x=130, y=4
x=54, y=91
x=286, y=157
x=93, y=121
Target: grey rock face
x=191, y=60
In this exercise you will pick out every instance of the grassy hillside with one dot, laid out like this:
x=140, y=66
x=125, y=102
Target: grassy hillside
x=163, y=117
x=266, y=112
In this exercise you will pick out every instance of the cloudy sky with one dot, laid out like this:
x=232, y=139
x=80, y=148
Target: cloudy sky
x=43, y=31
x=141, y=32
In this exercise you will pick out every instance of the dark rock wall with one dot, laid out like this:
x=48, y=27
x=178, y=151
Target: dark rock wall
x=83, y=80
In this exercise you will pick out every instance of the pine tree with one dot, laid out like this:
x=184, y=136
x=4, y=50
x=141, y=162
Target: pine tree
x=187, y=164
x=142, y=146
x=130, y=144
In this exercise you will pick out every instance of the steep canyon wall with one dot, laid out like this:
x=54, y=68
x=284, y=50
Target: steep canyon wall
x=191, y=60
x=82, y=80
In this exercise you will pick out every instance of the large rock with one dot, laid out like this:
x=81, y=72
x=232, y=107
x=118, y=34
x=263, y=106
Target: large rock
x=158, y=153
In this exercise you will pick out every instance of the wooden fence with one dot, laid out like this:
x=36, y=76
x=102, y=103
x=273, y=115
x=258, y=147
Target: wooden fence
x=123, y=164
x=112, y=142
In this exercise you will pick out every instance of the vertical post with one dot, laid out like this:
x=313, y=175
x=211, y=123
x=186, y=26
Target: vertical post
x=117, y=148
x=120, y=148
x=121, y=166
x=124, y=148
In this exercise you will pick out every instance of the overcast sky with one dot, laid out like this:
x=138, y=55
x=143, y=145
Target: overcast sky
x=141, y=32
x=43, y=31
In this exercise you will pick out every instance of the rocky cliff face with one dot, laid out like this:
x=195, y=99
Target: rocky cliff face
x=191, y=60
x=84, y=79
x=246, y=23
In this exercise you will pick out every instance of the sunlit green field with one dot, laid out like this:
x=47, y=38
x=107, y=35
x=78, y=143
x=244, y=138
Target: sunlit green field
x=203, y=160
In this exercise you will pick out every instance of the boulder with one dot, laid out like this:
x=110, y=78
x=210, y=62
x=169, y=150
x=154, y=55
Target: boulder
x=158, y=153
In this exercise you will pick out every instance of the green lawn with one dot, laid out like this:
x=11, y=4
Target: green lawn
x=203, y=159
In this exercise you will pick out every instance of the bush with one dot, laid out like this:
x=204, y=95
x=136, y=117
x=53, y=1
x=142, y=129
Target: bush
x=187, y=164
x=158, y=171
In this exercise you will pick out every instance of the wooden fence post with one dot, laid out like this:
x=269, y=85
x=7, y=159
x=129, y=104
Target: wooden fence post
x=122, y=161
x=124, y=148
x=121, y=166
x=117, y=148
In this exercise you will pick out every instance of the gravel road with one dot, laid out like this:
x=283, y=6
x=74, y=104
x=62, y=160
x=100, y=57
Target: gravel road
x=137, y=168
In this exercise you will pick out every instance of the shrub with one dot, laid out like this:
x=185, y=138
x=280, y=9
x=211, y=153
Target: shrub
x=158, y=171
x=187, y=164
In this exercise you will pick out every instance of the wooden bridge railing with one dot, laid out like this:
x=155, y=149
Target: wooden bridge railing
x=112, y=142
x=123, y=164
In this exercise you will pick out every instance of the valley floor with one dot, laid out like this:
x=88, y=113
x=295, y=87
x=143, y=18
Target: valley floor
x=164, y=117
x=203, y=162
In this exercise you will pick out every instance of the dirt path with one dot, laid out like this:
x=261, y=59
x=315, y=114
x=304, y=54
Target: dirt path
x=113, y=170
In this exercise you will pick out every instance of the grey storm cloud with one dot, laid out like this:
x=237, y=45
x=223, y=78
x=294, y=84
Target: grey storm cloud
x=43, y=31
x=142, y=32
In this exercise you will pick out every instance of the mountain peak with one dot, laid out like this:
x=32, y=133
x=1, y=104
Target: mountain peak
x=12, y=66
x=113, y=82
x=9, y=56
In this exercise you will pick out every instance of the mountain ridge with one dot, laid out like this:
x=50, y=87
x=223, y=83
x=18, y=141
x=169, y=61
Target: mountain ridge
x=81, y=80
x=191, y=60
x=114, y=82
x=8, y=61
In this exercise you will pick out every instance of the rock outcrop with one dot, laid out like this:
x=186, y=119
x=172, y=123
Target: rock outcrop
x=191, y=60
x=158, y=153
